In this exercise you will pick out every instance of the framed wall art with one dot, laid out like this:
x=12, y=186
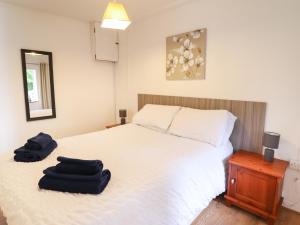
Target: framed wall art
x=186, y=56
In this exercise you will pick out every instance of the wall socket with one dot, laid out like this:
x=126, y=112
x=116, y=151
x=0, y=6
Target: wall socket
x=295, y=165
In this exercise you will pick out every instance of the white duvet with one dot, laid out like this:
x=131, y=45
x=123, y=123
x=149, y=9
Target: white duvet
x=157, y=179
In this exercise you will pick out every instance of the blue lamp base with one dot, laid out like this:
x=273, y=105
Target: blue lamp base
x=269, y=155
x=123, y=120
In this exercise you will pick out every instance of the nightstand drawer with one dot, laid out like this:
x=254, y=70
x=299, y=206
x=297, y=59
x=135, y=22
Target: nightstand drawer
x=252, y=187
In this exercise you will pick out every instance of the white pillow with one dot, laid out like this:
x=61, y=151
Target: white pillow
x=210, y=126
x=229, y=128
x=158, y=117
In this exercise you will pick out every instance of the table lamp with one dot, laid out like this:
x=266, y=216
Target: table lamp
x=123, y=115
x=271, y=142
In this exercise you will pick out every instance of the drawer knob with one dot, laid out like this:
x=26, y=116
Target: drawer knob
x=232, y=181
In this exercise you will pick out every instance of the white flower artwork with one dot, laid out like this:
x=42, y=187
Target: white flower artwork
x=186, y=60
x=199, y=61
x=171, y=64
x=196, y=34
x=186, y=56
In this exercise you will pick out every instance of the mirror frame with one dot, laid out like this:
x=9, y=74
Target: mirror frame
x=49, y=54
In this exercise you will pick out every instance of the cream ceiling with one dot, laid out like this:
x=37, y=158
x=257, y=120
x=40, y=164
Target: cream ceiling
x=92, y=10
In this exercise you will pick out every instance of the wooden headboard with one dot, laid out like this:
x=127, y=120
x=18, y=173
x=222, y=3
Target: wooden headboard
x=249, y=127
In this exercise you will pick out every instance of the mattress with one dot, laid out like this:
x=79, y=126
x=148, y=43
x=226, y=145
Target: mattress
x=157, y=178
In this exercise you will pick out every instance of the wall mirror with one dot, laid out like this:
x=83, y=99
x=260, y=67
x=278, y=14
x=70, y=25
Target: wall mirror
x=38, y=84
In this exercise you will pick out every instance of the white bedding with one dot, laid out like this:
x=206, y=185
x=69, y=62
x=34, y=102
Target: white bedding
x=157, y=179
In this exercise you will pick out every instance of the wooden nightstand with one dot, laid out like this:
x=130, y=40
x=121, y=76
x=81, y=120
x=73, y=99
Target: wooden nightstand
x=112, y=125
x=256, y=185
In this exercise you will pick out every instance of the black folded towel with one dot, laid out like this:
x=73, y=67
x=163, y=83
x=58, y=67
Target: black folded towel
x=78, y=166
x=75, y=186
x=38, y=142
x=25, y=155
x=53, y=173
x=69, y=168
x=78, y=161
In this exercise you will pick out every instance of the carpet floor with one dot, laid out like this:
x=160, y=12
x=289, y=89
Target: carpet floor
x=217, y=213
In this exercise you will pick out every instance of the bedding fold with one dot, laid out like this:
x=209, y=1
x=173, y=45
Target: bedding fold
x=74, y=185
x=38, y=142
x=76, y=176
x=82, y=162
x=23, y=154
x=78, y=166
x=52, y=172
x=69, y=168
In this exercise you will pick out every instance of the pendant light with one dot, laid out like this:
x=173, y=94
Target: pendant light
x=115, y=17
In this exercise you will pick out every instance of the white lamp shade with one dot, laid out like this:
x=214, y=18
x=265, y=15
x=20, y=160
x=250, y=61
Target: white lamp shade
x=115, y=17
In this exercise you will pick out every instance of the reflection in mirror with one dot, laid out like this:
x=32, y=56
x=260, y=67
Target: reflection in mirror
x=38, y=84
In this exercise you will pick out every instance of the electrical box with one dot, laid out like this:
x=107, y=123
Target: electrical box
x=105, y=43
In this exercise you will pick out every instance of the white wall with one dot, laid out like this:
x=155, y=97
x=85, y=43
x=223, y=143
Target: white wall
x=83, y=87
x=253, y=53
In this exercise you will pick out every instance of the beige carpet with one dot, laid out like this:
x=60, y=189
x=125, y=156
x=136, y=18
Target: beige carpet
x=219, y=214
x=2, y=219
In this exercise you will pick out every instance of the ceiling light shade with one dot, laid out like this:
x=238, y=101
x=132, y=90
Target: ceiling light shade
x=115, y=17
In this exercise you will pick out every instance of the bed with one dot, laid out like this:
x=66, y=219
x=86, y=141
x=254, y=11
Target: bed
x=157, y=178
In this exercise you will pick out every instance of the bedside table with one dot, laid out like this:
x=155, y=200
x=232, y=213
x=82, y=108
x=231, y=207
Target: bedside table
x=112, y=125
x=256, y=185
